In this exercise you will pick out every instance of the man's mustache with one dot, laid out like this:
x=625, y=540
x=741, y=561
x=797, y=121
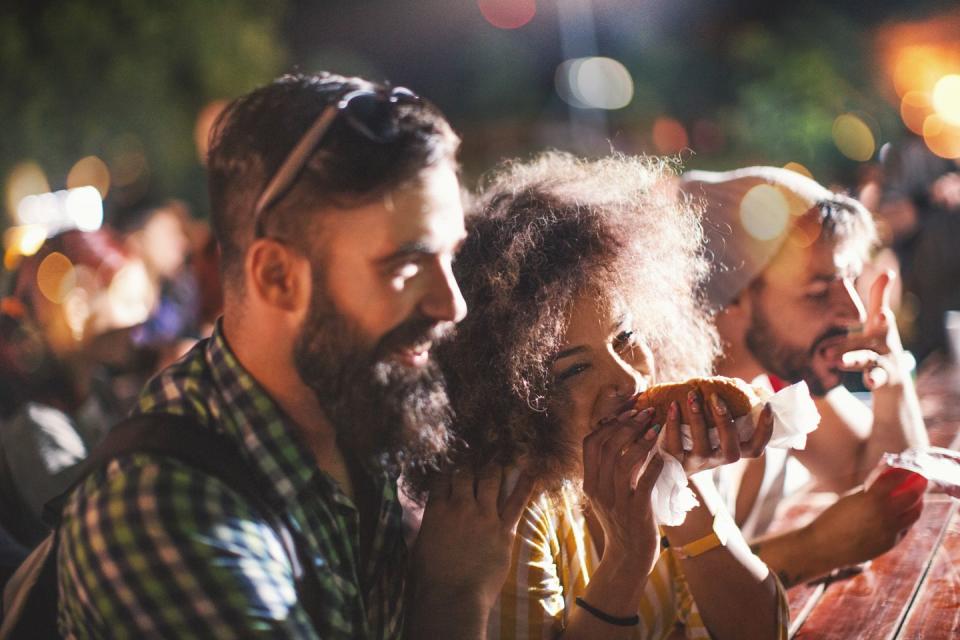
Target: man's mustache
x=410, y=333
x=832, y=332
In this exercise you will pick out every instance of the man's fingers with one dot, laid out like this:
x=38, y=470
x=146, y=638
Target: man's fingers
x=516, y=501
x=859, y=360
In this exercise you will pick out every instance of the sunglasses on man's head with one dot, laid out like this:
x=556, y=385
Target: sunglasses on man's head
x=367, y=111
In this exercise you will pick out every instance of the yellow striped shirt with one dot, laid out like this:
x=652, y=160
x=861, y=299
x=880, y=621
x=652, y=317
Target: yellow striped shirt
x=553, y=559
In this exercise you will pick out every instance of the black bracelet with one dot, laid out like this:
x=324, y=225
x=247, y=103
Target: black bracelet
x=628, y=621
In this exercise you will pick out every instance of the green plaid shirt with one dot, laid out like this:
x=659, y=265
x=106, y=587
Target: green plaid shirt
x=153, y=548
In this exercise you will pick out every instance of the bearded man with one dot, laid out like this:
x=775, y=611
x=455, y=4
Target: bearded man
x=786, y=254
x=337, y=207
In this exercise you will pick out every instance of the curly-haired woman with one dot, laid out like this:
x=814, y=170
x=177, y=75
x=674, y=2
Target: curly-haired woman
x=581, y=278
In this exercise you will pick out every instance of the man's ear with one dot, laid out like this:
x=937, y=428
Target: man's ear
x=277, y=274
x=735, y=316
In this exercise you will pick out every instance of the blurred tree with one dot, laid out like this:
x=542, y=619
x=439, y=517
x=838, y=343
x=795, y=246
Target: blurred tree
x=125, y=80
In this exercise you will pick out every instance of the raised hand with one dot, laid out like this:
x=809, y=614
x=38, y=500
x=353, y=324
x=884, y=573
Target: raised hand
x=462, y=553
x=877, y=350
x=618, y=486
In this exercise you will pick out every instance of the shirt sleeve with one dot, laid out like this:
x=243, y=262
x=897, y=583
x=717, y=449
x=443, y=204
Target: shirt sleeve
x=150, y=547
x=531, y=604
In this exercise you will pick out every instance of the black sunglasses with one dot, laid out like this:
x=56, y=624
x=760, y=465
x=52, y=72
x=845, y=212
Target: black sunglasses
x=367, y=111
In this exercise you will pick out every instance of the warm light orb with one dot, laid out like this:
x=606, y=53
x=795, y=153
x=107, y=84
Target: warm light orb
x=941, y=137
x=90, y=172
x=796, y=167
x=669, y=135
x=508, y=14
x=26, y=179
x=853, y=137
x=946, y=98
x=56, y=277
x=764, y=212
x=85, y=207
x=914, y=109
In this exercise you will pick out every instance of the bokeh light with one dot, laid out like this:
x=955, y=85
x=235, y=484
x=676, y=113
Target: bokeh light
x=669, y=135
x=946, y=98
x=796, y=167
x=764, y=212
x=853, y=137
x=941, y=137
x=917, y=68
x=85, y=207
x=25, y=239
x=56, y=277
x=594, y=83
x=128, y=162
x=131, y=295
x=508, y=14
x=201, y=129
x=914, y=109
x=26, y=179
x=90, y=171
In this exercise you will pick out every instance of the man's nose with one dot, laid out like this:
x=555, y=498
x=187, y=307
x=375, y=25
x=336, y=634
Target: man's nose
x=444, y=301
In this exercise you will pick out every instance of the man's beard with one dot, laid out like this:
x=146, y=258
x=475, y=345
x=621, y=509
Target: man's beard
x=382, y=411
x=789, y=363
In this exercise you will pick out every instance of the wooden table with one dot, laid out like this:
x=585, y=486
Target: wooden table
x=912, y=591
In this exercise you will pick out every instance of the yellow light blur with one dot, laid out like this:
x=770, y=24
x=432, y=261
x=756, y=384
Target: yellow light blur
x=90, y=171
x=131, y=296
x=594, y=83
x=941, y=137
x=508, y=14
x=56, y=277
x=946, y=98
x=853, y=137
x=914, y=109
x=764, y=212
x=796, y=167
x=25, y=239
x=669, y=135
x=26, y=179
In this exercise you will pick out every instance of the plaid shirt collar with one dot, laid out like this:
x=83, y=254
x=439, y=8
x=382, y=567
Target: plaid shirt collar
x=266, y=434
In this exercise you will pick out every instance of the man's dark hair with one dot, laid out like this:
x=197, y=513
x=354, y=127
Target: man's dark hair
x=254, y=134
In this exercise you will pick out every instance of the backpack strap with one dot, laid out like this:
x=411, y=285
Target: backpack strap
x=184, y=439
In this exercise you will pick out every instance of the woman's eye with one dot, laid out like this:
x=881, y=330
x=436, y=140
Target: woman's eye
x=818, y=295
x=623, y=340
x=571, y=371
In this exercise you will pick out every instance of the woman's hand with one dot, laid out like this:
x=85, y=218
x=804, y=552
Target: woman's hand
x=619, y=488
x=713, y=432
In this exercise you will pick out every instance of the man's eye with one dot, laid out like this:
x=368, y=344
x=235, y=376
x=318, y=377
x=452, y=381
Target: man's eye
x=571, y=371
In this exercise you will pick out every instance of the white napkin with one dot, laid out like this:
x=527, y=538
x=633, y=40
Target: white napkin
x=672, y=497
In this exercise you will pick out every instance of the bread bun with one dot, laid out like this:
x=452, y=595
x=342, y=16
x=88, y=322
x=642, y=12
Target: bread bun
x=739, y=396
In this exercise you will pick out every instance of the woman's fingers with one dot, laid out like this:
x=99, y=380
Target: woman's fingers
x=628, y=463
x=693, y=416
x=516, y=501
x=726, y=429
x=649, y=476
x=673, y=439
x=753, y=448
x=488, y=482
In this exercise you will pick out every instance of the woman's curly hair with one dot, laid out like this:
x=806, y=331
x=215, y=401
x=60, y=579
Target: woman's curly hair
x=541, y=234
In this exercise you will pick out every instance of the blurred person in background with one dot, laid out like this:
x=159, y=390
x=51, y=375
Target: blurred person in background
x=160, y=236
x=337, y=206
x=788, y=311
x=916, y=198
x=65, y=329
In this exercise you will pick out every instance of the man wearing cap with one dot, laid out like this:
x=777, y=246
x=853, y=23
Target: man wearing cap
x=337, y=207
x=786, y=254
